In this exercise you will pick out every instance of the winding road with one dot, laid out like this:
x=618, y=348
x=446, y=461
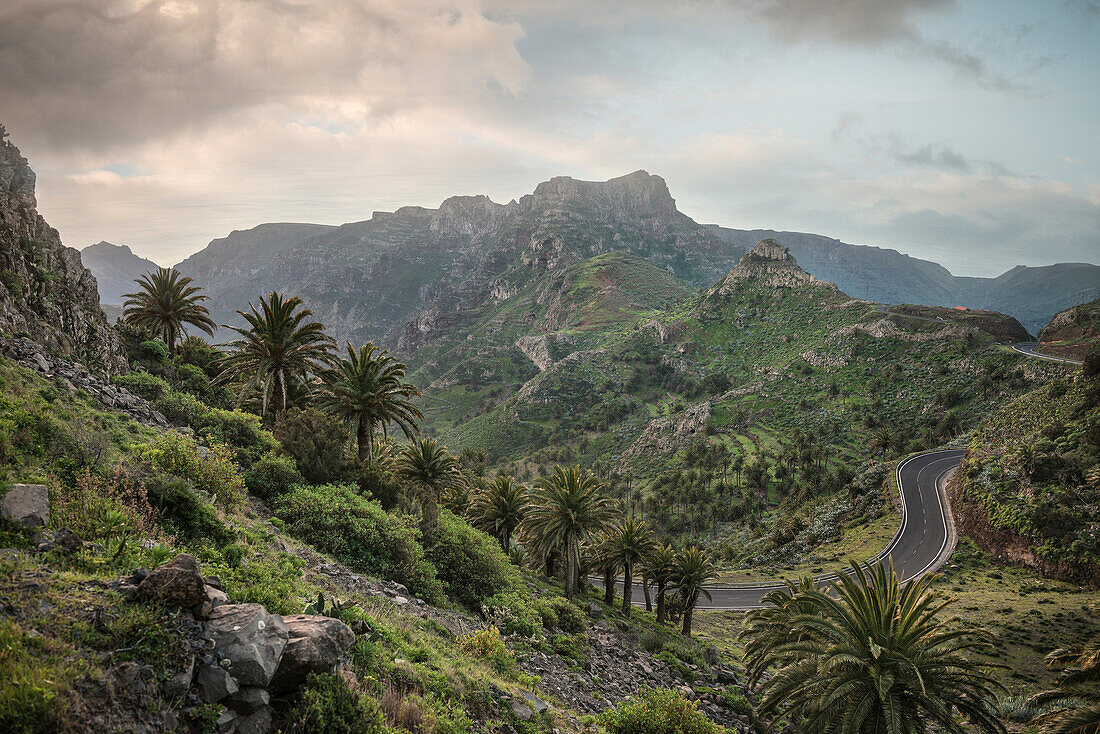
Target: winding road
x=924, y=541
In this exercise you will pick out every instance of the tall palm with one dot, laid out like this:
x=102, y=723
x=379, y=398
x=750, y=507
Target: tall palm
x=165, y=303
x=870, y=657
x=368, y=389
x=660, y=566
x=1077, y=697
x=434, y=472
x=629, y=544
x=277, y=353
x=565, y=507
x=499, y=509
x=602, y=558
x=693, y=569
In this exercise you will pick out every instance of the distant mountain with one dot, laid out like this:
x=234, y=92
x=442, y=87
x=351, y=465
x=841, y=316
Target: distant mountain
x=408, y=277
x=114, y=268
x=1032, y=295
x=45, y=291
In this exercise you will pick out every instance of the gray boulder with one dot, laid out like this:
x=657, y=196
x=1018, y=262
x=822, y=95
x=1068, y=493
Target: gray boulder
x=214, y=683
x=251, y=639
x=214, y=598
x=27, y=504
x=178, y=583
x=248, y=700
x=316, y=645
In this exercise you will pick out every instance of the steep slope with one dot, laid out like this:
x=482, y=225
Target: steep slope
x=115, y=267
x=1033, y=295
x=1028, y=489
x=767, y=351
x=45, y=291
x=1073, y=332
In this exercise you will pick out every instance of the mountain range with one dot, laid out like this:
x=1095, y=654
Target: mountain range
x=399, y=277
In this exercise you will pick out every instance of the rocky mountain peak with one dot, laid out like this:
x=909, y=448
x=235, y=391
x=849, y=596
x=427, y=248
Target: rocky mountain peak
x=768, y=262
x=638, y=194
x=469, y=215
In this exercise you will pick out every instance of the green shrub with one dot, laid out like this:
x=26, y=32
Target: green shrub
x=28, y=693
x=181, y=408
x=515, y=612
x=210, y=470
x=488, y=645
x=657, y=711
x=243, y=432
x=470, y=563
x=183, y=513
x=143, y=384
x=319, y=444
x=326, y=705
x=570, y=617
x=153, y=350
x=336, y=519
x=272, y=476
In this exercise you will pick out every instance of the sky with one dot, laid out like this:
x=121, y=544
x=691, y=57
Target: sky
x=964, y=132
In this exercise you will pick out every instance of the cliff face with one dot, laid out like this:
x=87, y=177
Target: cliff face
x=769, y=263
x=46, y=292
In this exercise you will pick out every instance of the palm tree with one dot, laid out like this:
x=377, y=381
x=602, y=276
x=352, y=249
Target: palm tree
x=368, y=389
x=565, y=507
x=433, y=471
x=692, y=570
x=277, y=353
x=602, y=559
x=628, y=545
x=869, y=657
x=660, y=566
x=1078, y=692
x=166, y=302
x=499, y=509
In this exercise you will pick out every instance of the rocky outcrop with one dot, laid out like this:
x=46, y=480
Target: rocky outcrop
x=1071, y=333
x=33, y=355
x=178, y=583
x=45, y=291
x=251, y=639
x=671, y=433
x=315, y=645
x=28, y=505
x=769, y=263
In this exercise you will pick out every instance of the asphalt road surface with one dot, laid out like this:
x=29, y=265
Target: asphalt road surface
x=923, y=542
x=1029, y=348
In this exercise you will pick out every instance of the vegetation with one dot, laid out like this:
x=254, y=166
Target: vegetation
x=874, y=657
x=657, y=711
x=165, y=302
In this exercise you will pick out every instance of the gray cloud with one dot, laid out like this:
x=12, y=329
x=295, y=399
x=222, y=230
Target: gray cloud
x=933, y=156
x=967, y=66
x=102, y=72
x=854, y=22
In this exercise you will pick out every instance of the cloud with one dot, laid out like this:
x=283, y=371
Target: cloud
x=851, y=22
x=103, y=72
x=967, y=66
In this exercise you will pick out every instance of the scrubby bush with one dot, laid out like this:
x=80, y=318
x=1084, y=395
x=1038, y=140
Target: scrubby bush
x=488, y=645
x=143, y=384
x=470, y=563
x=570, y=617
x=515, y=612
x=336, y=519
x=210, y=470
x=272, y=476
x=327, y=705
x=182, y=512
x=657, y=711
x=319, y=444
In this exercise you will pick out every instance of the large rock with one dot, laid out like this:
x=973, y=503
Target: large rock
x=178, y=583
x=28, y=504
x=214, y=683
x=251, y=639
x=316, y=646
x=214, y=598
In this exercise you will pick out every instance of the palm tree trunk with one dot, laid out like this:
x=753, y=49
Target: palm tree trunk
x=645, y=592
x=608, y=585
x=628, y=587
x=661, y=603
x=688, y=611
x=505, y=541
x=363, y=440
x=570, y=569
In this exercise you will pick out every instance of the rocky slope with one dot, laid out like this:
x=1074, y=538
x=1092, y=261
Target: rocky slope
x=1071, y=333
x=115, y=267
x=45, y=291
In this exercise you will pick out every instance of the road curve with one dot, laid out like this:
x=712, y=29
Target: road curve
x=923, y=542
x=1028, y=348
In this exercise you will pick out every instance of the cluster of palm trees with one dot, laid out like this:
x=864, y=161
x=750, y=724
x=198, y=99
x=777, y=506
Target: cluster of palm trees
x=567, y=520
